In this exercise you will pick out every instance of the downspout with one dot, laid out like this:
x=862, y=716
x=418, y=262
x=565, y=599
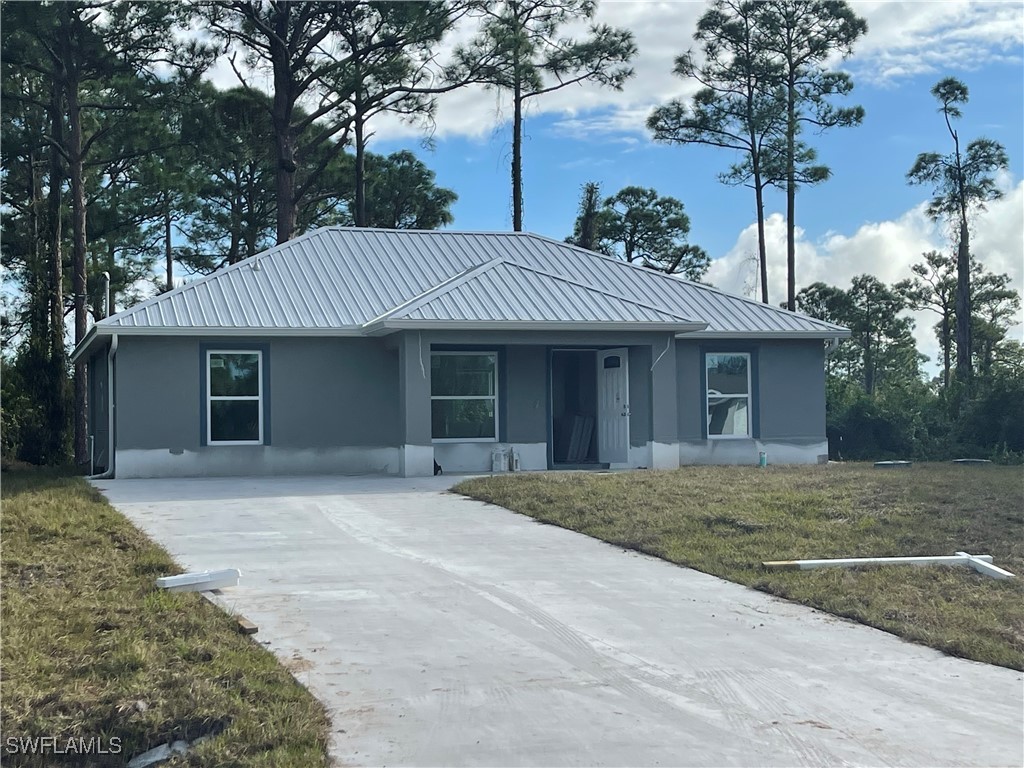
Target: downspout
x=663, y=352
x=831, y=345
x=109, y=473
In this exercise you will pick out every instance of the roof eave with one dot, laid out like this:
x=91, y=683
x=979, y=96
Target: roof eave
x=99, y=331
x=824, y=333
x=90, y=340
x=391, y=326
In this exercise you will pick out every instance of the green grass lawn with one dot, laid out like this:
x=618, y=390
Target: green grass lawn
x=92, y=649
x=727, y=520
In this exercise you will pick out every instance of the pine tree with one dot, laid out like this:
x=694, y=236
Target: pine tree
x=519, y=50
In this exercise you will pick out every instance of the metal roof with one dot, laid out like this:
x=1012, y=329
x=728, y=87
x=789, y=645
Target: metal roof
x=338, y=280
x=503, y=291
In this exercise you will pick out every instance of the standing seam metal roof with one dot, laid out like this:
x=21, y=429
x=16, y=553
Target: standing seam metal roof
x=343, y=278
x=501, y=290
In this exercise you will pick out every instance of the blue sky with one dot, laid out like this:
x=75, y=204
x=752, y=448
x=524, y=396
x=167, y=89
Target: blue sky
x=869, y=163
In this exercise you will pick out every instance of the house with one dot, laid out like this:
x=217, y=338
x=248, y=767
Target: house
x=385, y=351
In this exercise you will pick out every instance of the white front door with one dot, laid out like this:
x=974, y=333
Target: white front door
x=613, y=406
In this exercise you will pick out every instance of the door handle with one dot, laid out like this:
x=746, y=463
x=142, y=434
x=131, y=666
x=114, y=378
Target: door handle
x=625, y=409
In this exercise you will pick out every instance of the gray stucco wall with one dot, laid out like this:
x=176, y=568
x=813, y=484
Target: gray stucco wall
x=333, y=392
x=640, y=420
x=691, y=399
x=99, y=424
x=790, y=387
x=325, y=392
x=363, y=405
x=526, y=394
x=157, y=382
x=413, y=381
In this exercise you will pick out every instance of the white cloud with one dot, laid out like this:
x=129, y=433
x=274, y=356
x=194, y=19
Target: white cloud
x=885, y=249
x=662, y=30
x=904, y=39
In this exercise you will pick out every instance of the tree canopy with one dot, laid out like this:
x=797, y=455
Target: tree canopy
x=637, y=225
x=519, y=50
x=963, y=180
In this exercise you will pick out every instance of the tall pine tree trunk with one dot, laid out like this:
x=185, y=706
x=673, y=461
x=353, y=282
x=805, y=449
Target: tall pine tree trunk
x=762, y=248
x=517, y=154
x=79, y=247
x=947, y=351
x=755, y=168
x=38, y=293
x=54, y=389
x=168, y=250
x=358, y=124
x=517, y=128
x=55, y=201
x=284, y=184
x=963, y=303
x=791, y=191
x=281, y=115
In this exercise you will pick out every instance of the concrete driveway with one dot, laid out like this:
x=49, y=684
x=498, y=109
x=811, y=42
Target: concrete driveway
x=442, y=631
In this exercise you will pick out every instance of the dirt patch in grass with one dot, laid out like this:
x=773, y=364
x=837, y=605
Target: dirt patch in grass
x=727, y=520
x=92, y=650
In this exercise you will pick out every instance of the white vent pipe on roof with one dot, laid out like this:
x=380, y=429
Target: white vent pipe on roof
x=106, y=294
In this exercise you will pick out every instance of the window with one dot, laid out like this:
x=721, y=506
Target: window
x=728, y=395
x=463, y=396
x=234, y=399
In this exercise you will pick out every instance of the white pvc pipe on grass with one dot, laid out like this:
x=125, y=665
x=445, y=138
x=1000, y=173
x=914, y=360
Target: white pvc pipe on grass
x=980, y=563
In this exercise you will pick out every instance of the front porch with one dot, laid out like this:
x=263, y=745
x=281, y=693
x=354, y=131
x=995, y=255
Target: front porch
x=557, y=400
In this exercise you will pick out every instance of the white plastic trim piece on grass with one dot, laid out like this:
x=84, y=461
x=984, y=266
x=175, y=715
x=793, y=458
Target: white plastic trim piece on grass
x=981, y=563
x=200, y=581
x=163, y=752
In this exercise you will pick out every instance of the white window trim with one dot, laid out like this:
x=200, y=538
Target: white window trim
x=748, y=397
x=211, y=397
x=494, y=397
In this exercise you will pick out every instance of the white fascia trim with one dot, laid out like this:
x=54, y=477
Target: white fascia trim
x=87, y=342
x=836, y=334
x=534, y=325
x=100, y=331
x=142, y=330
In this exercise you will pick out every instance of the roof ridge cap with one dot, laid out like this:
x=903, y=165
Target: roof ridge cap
x=447, y=232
